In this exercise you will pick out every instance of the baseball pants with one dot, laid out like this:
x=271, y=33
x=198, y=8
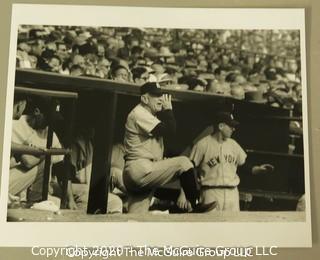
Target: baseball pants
x=20, y=179
x=141, y=177
x=227, y=199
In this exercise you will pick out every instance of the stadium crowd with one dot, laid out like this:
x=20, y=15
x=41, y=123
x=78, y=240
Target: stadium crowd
x=260, y=66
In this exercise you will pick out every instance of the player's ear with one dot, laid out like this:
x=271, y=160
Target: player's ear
x=144, y=99
x=36, y=111
x=19, y=107
x=22, y=105
x=220, y=126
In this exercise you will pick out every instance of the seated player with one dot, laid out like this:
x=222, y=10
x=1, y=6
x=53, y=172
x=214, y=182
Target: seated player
x=31, y=130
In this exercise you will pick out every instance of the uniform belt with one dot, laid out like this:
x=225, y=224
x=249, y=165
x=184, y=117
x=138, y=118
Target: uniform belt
x=219, y=187
x=152, y=160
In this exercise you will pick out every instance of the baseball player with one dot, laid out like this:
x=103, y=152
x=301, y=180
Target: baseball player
x=145, y=169
x=217, y=157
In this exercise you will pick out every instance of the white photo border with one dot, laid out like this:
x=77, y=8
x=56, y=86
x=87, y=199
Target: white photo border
x=291, y=234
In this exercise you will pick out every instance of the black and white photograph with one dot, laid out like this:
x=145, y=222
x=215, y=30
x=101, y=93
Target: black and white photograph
x=163, y=123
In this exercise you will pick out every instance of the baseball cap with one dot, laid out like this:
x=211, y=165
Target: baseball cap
x=227, y=118
x=152, y=88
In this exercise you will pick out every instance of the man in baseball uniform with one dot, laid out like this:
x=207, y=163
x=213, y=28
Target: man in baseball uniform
x=145, y=169
x=217, y=157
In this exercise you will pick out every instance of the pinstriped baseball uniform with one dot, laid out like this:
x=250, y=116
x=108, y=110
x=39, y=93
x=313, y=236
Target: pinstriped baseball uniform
x=217, y=163
x=138, y=141
x=145, y=168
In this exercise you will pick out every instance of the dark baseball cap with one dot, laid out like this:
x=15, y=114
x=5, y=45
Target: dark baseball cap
x=152, y=88
x=227, y=118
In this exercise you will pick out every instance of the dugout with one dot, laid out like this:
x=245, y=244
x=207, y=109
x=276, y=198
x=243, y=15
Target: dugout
x=264, y=133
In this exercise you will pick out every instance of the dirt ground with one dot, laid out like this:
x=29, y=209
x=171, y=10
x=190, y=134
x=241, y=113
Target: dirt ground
x=32, y=215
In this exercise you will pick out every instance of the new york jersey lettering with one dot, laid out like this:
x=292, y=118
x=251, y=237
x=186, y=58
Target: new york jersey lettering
x=228, y=158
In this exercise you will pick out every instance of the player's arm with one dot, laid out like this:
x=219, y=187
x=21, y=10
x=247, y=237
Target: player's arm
x=167, y=124
x=197, y=154
x=255, y=169
x=251, y=168
x=262, y=169
x=29, y=161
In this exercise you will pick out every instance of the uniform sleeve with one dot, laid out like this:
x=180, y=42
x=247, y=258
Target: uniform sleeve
x=21, y=132
x=240, y=153
x=146, y=121
x=197, y=154
x=167, y=126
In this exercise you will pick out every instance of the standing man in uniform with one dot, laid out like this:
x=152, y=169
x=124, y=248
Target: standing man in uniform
x=145, y=169
x=217, y=157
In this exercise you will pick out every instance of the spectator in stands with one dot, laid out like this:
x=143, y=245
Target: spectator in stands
x=79, y=60
x=101, y=51
x=91, y=61
x=37, y=47
x=140, y=75
x=157, y=68
x=220, y=85
x=136, y=54
x=76, y=70
x=103, y=68
x=215, y=87
x=49, y=61
x=120, y=74
x=191, y=52
x=62, y=51
x=195, y=84
x=54, y=64
x=174, y=73
x=23, y=56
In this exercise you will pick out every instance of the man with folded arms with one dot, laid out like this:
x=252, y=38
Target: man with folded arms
x=31, y=130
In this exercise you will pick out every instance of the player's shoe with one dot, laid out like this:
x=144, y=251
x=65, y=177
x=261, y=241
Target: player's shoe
x=203, y=208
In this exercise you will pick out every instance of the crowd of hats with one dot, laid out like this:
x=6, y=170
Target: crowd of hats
x=260, y=66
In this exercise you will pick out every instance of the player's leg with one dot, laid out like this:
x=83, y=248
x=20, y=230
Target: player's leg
x=139, y=203
x=165, y=171
x=80, y=193
x=134, y=173
x=181, y=167
x=117, y=180
x=35, y=190
x=232, y=200
x=19, y=180
x=208, y=195
x=114, y=204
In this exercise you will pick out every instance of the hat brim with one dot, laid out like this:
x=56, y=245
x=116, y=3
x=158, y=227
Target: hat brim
x=233, y=123
x=156, y=93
